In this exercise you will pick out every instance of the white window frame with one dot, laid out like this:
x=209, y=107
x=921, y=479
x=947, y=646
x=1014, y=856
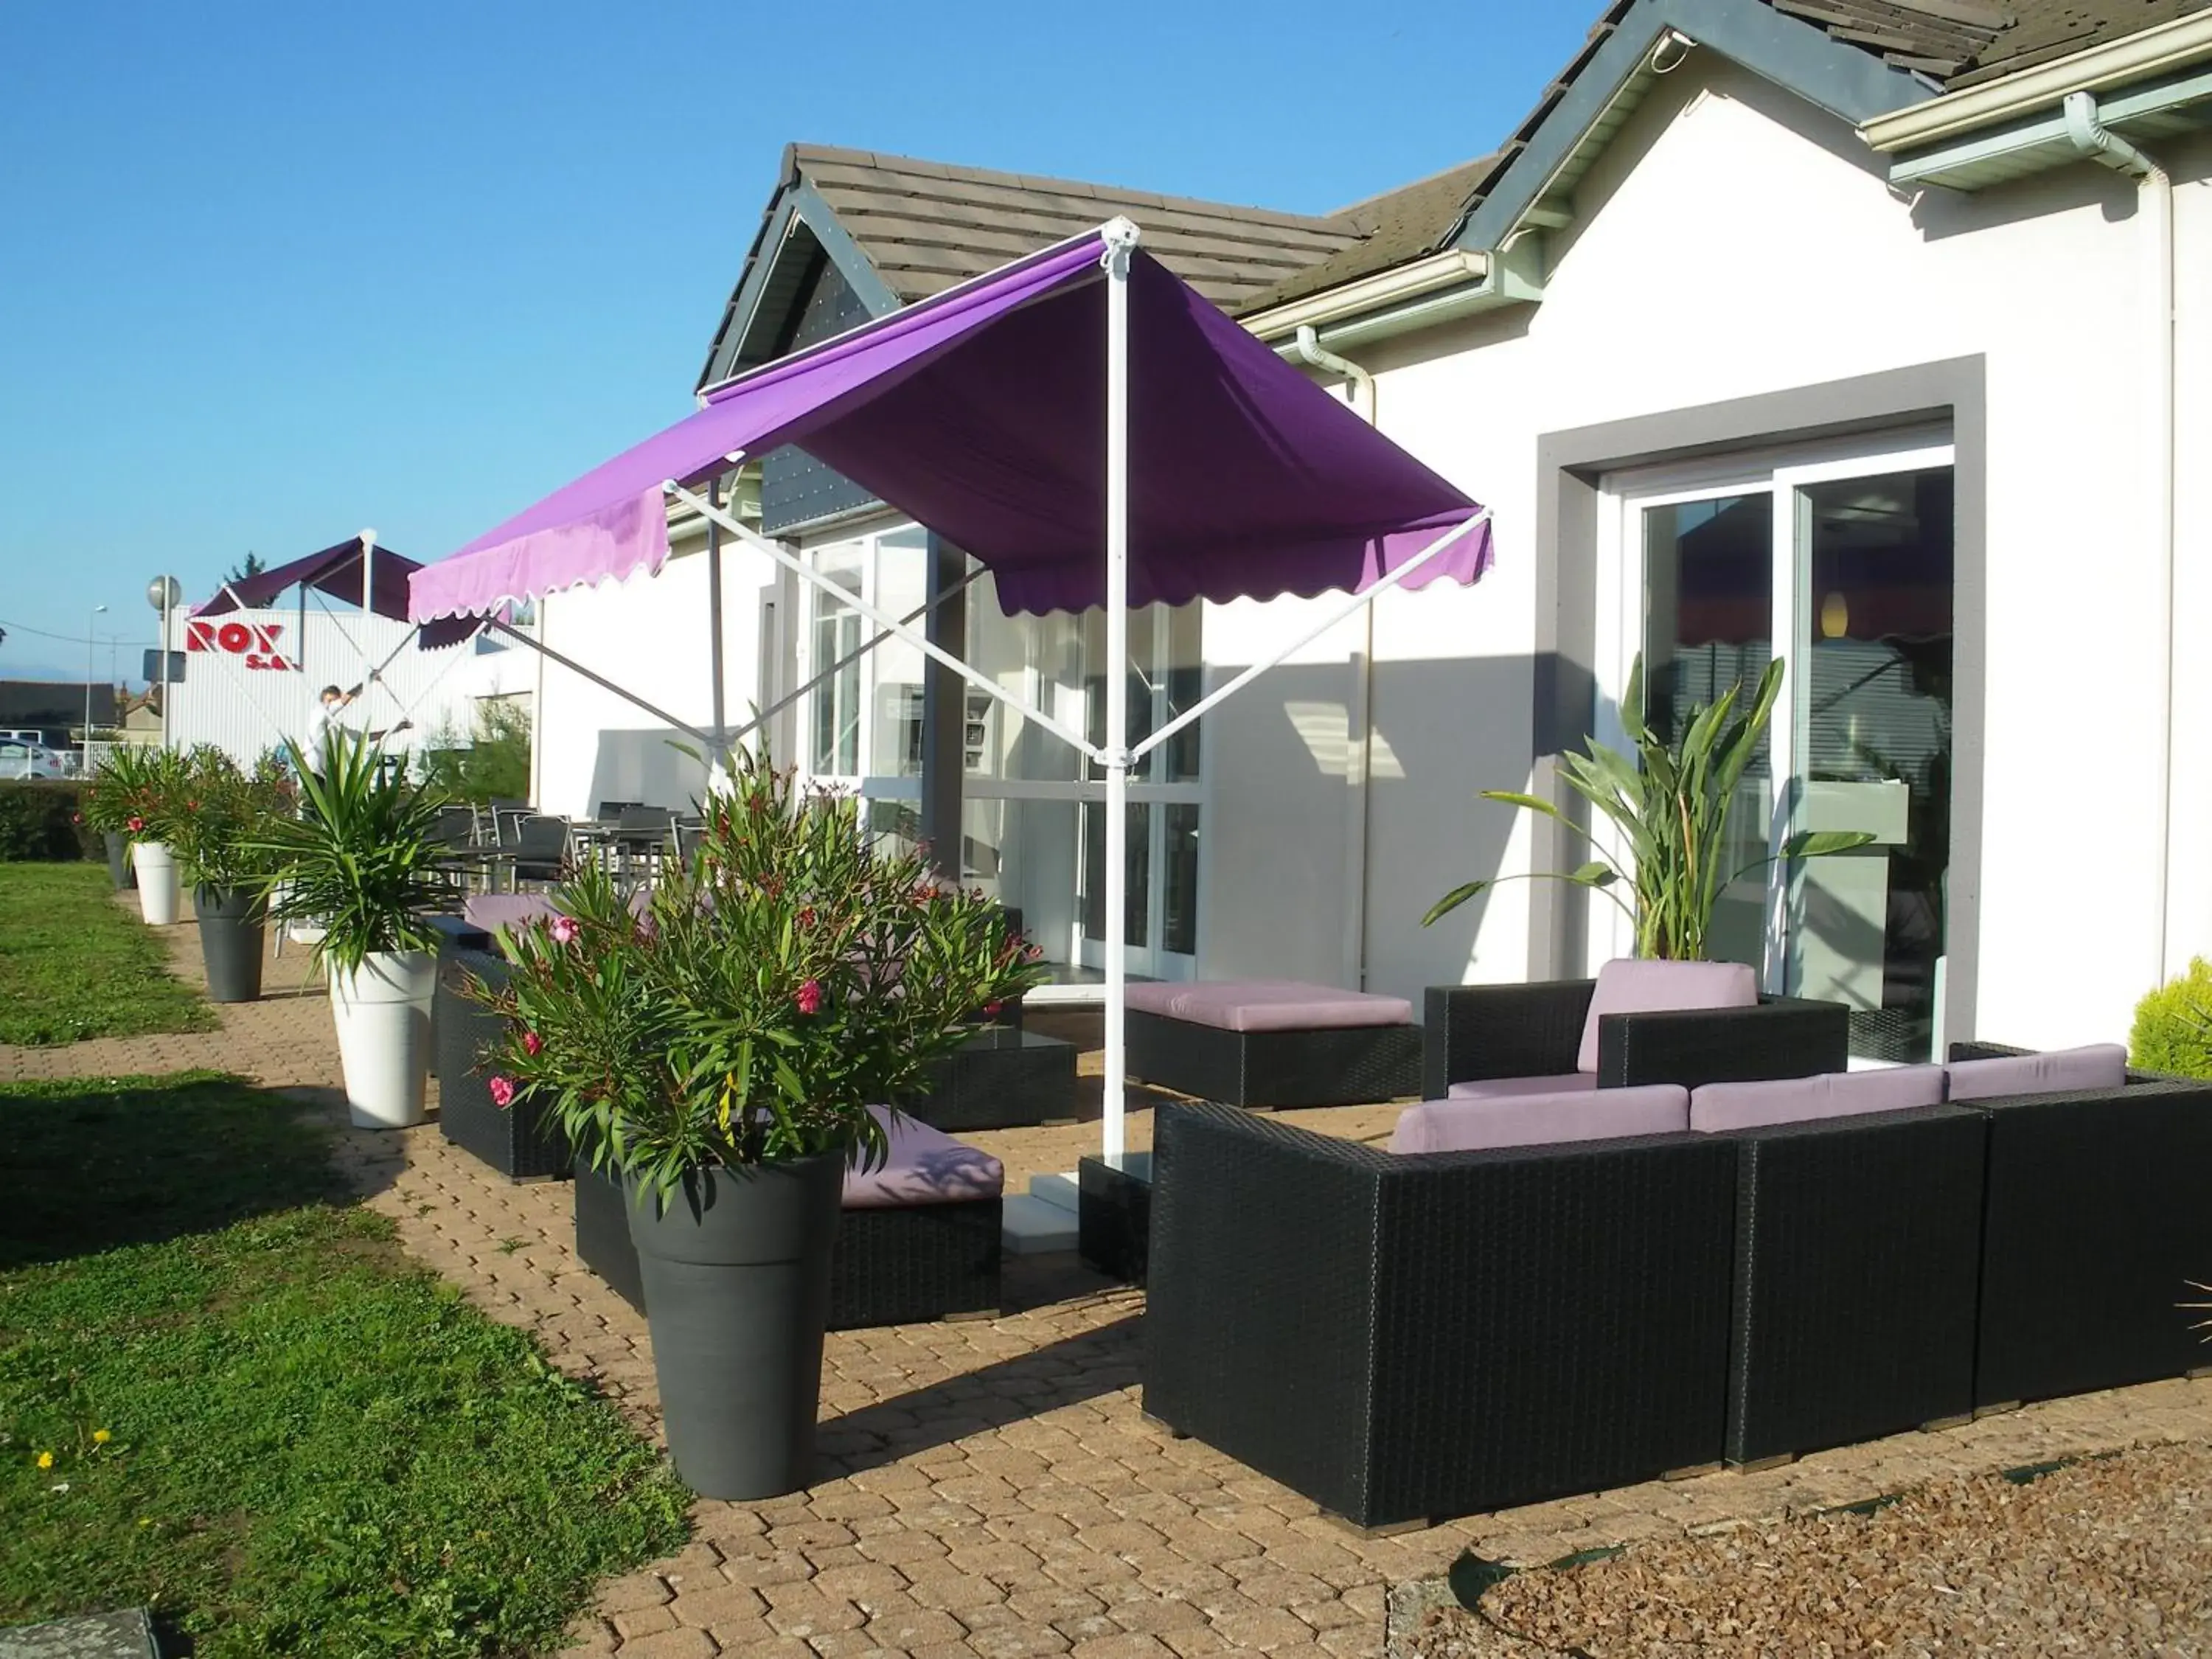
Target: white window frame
x=1781, y=473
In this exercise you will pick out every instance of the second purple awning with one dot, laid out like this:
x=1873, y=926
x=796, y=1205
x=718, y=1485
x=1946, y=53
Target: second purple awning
x=336, y=571
x=980, y=413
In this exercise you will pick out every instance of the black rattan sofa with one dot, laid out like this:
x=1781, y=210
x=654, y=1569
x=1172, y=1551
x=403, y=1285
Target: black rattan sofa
x=522, y=1141
x=1407, y=1338
x=1323, y=1060
x=2095, y=1222
x=1470, y=1032
x=893, y=1267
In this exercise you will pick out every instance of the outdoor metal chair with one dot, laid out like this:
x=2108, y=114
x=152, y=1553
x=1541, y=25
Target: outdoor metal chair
x=540, y=849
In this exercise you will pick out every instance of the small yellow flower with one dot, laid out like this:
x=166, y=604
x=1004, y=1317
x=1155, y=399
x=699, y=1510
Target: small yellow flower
x=102, y=1436
x=145, y=1520
x=46, y=1460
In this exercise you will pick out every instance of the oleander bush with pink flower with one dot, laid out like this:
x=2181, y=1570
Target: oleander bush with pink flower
x=783, y=978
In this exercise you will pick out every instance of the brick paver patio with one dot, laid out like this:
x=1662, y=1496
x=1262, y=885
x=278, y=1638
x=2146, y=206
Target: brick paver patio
x=990, y=1487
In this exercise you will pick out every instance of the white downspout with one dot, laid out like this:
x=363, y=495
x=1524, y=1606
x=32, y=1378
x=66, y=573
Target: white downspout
x=1359, y=714
x=2155, y=192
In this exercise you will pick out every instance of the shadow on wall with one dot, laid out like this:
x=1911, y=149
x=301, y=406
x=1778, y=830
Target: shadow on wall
x=647, y=766
x=1444, y=729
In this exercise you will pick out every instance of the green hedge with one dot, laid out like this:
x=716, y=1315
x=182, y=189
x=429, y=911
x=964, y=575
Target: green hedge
x=2174, y=1026
x=38, y=823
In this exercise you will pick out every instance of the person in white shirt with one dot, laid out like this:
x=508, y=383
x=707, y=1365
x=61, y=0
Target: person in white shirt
x=317, y=749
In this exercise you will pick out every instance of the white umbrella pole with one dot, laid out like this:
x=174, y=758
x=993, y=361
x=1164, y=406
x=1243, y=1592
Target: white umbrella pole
x=367, y=611
x=1121, y=241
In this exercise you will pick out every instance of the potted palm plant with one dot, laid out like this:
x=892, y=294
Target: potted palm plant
x=221, y=845
x=1671, y=802
x=717, y=1050
x=360, y=862
x=158, y=801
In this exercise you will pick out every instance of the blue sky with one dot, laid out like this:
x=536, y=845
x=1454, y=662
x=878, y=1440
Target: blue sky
x=271, y=273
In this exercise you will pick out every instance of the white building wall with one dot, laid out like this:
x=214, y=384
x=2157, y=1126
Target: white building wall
x=1734, y=242
x=650, y=635
x=243, y=702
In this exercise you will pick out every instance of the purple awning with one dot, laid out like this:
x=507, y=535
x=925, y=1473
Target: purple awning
x=980, y=413
x=336, y=571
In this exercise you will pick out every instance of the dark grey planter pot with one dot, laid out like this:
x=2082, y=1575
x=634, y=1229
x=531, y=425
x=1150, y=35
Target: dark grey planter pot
x=736, y=1270
x=118, y=861
x=230, y=942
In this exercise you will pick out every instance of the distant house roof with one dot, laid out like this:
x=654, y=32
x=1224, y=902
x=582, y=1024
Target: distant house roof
x=53, y=703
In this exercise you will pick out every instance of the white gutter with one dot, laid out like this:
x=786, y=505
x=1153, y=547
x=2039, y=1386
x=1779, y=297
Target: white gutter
x=2156, y=191
x=2153, y=51
x=1358, y=713
x=1386, y=288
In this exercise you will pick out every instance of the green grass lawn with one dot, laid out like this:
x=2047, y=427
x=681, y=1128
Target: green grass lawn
x=261, y=1419
x=73, y=965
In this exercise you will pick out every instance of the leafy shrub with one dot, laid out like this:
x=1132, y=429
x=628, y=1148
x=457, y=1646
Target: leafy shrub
x=222, y=837
x=491, y=763
x=2174, y=1026
x=41, y=822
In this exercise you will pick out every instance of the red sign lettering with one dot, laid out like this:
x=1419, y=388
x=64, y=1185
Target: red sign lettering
x=255, y=641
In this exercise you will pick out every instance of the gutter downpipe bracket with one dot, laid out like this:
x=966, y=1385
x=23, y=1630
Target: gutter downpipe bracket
x=2097, y=142
x=1359, y=714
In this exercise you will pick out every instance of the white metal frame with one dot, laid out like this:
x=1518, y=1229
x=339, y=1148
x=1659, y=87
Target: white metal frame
x=1781, y=473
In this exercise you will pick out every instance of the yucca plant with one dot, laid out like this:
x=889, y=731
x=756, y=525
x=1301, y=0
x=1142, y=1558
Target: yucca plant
x=361, y=861
x=1671, y=802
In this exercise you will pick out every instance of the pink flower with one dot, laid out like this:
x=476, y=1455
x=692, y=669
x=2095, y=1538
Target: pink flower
x=809, y=998
x=533, y=1043
x=807, y=916
x=502, y=1091
x=991, y=1010
x=77, y=818
x=135, y=825
x=564, y=929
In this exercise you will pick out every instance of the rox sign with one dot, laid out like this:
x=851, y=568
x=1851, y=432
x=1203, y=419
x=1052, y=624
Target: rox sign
x=255, y=641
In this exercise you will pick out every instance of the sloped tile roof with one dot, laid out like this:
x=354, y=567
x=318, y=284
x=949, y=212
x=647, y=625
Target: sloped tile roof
x=925, y=225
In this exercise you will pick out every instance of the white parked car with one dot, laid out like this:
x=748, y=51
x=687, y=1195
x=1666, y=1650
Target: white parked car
x=19, y=759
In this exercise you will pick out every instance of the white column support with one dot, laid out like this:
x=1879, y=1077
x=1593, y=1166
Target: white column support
x=806, y=572
x=1120, y=239
x=367, y=610
x=720, y=754
x=1352, y=607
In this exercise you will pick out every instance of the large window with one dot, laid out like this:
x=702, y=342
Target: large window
x=1847, y=559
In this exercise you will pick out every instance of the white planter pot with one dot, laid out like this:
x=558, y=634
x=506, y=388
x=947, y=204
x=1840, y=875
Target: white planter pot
x=161, y=889
x=383, y=1017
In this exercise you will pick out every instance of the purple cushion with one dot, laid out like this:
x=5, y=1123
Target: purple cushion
x=1474, y=1125
x=2063, y=1071
x=1268, y=1004
x=492, y=911
x=926, y=1166
x=1506, y=1088
x=1722, y=1106
x=1646, y=988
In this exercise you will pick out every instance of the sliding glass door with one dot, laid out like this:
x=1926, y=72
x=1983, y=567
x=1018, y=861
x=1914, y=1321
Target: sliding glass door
x=1846, y=559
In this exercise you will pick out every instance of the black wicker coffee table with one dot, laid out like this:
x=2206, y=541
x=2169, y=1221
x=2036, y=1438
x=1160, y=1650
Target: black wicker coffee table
x=1113, y=1211
x=1002, y=1078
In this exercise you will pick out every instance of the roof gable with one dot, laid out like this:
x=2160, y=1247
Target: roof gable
x=899, y=229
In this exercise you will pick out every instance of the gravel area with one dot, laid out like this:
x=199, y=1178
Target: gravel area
x=2108, y=1556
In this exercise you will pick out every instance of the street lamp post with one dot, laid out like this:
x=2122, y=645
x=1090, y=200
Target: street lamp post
x=84, y=765
x=165, y=594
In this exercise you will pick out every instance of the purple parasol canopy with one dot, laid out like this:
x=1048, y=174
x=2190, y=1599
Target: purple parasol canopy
x=336, y=571
x=981, y=413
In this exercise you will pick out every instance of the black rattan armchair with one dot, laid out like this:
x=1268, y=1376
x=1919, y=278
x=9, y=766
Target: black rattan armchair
x=1411, y=1338
x=1472, y=1031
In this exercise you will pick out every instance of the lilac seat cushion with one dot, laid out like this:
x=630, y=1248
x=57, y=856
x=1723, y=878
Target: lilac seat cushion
x=1649, y=987
x=1477, y=1126
x=1507, y=1088
x=1719, y=1107
x=2063, y=1071
x=493, y=911
x=1269, y=1005
x=926, y=1166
